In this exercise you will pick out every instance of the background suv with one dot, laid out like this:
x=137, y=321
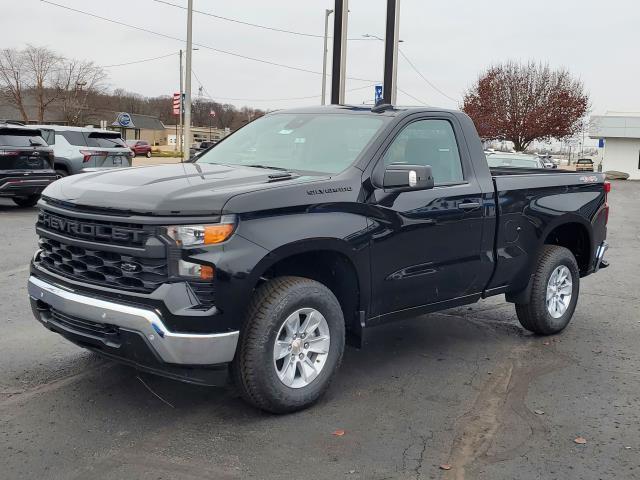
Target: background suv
x=139, y=147
x=26, y=164
x=79, y=149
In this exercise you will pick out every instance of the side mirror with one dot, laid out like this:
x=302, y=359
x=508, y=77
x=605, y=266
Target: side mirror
x=403, y=178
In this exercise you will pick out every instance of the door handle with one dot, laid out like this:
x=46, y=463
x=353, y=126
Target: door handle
x=468, y=205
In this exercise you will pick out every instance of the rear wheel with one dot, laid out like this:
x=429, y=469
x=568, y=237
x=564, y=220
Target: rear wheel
x=25, y=202
x=290, y=346
x=61, y=172
x=554, y=293
x=133, y=154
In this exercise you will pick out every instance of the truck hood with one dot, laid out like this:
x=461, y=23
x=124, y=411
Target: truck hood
x=178, y=189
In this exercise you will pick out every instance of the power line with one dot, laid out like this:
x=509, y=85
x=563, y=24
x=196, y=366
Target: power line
x=241, y=22
x=144, y=60
x=425, y=78
x=265, y=99
x=170, y=37
x=249, y=24
x=422, y=102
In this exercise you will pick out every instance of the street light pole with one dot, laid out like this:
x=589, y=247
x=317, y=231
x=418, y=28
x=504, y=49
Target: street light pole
x=339, y=63
x=390, y=85
x=187, y=111
x=179, y=137
x=327, y=14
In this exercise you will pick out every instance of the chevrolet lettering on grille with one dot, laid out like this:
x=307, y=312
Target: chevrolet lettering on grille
x=89, y=230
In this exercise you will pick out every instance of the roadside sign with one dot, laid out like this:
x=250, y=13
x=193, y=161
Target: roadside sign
x=601, y=143
x=378, y=94
x=176, y=103
x=124, y=119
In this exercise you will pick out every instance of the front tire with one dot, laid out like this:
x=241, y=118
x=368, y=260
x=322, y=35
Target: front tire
x=26, y=202
x=149, y=154
x=290, y=346
x=554, y=292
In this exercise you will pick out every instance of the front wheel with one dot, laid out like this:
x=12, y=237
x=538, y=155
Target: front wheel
x=149, y=154
x=26, y=202
x=290, y=346
x=554, y=293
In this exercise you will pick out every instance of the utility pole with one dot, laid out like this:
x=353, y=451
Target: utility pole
x=390, y=88
x=187, y=111
x=327, y=14
x=179, y=137
x=338, y=78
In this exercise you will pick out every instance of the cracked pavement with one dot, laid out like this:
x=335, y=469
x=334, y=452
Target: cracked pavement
x=460, y=387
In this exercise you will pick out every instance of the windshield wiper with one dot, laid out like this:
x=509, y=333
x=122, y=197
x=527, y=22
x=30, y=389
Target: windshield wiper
x=269, y=167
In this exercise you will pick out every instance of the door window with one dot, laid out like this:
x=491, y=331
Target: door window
x=428, y=142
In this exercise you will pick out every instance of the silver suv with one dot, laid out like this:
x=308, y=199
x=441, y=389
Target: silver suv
x=79, y=149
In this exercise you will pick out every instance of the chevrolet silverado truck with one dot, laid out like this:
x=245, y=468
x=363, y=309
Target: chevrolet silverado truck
x=300, y=232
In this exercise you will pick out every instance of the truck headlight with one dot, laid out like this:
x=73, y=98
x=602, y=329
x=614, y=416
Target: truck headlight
x=194, y=235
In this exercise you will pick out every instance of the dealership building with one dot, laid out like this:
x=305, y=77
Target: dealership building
x=619, y=135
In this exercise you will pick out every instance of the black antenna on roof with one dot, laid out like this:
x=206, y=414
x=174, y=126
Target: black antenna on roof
x=382, y=107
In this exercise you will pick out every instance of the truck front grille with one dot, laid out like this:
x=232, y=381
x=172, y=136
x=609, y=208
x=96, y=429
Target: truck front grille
x=108, y=269
x=116, y=233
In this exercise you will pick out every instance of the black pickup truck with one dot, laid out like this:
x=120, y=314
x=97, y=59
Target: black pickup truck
x=298, y=233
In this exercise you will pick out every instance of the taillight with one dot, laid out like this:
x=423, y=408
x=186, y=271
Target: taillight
x=607, y=189
x=87, y=154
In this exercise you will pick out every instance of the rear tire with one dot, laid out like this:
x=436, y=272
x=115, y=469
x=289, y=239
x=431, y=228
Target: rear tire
x=133, y=154
x=300, y=376
x=61, y=173
x=554, y=292
x=26, y=202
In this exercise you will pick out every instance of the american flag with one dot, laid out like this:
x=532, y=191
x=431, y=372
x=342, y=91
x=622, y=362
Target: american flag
x=176, y=103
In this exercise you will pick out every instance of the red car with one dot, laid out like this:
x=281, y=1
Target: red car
x=139, y=147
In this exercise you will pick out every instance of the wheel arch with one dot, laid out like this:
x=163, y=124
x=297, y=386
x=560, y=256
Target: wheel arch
x=328, y=261
x=574, y=233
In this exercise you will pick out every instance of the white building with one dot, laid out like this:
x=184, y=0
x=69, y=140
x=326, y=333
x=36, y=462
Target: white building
x=621, y=134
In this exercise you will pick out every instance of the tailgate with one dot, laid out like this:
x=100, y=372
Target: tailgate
x=24, y=159
x=114, y=159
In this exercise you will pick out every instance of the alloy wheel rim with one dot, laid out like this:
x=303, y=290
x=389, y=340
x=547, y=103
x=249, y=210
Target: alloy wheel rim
x=559, y=291
x=301, y=347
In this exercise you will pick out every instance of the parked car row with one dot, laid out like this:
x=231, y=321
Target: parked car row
x=81, y=149
x=32, y=156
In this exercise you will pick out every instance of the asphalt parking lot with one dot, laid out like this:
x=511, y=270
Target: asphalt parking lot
x=465, y=387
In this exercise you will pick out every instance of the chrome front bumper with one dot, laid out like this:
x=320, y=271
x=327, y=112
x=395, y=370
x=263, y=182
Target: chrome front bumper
x=174, y=348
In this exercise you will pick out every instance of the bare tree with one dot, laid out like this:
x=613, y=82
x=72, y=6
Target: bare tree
x=77, y=83
x=523, y=103
x=41, y=66
x=13, y=80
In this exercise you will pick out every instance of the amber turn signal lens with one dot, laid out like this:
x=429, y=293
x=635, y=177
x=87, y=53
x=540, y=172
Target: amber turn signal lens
x=217, y=233
x=206, y=272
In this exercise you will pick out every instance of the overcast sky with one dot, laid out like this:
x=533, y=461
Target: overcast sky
x=449, y=41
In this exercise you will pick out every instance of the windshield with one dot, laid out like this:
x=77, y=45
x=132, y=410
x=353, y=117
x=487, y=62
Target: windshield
x=517, y=162
x=326, y=143
x=105, y=140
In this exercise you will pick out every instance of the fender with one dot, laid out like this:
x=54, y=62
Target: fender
x=359, y=260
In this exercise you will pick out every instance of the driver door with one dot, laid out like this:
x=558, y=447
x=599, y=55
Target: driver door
x=427, y=244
